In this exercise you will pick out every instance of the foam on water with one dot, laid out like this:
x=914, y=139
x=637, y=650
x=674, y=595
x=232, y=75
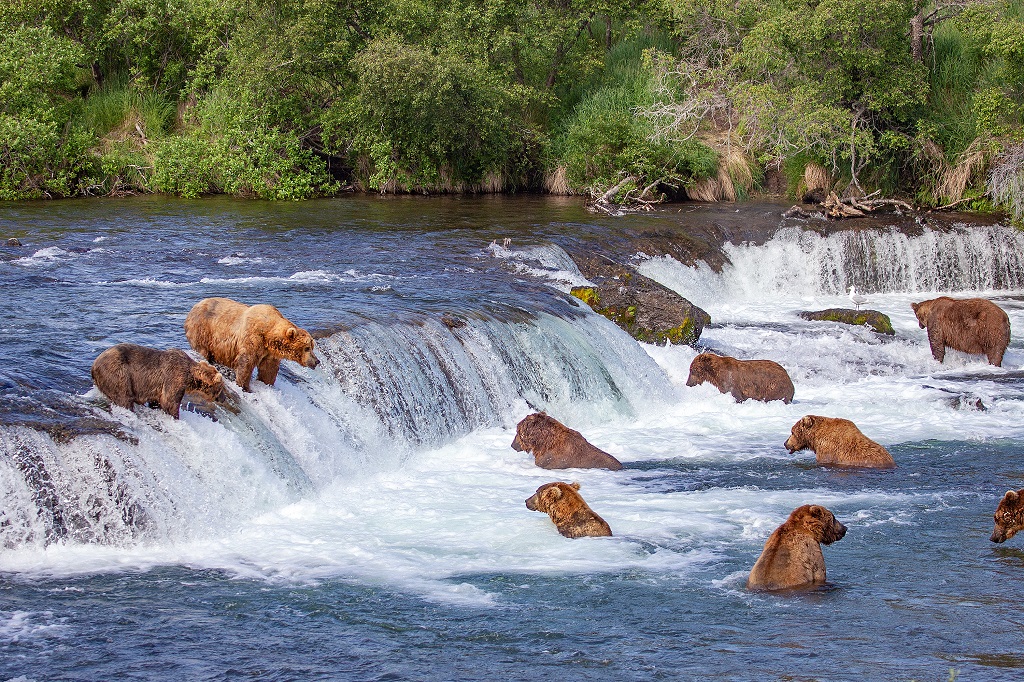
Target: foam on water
x=391, y=463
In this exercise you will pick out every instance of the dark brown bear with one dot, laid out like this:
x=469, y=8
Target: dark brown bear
x=837, y=442
x=247, y=337
x=758, y=379
x=973, y=325
x=1009, y=516
x=792, y=555
x=135, y=375
x=556, y=446
x=572, y=516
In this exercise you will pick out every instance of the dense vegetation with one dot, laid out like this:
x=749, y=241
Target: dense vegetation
x=289, y=99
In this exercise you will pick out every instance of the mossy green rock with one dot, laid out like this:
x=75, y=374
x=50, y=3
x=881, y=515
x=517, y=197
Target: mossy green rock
x=648, y=311
x=880, y=322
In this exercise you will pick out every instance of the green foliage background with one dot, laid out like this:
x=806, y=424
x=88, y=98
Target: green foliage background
x=290, y=99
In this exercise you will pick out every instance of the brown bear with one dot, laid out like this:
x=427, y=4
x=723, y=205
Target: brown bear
x=1009, y=516
x=763, y=380
x=838, y=443
x=972, y=325
x=792, y=555
x=245, y=337
x=572, y=516
x=556, y=446
x=135, y=375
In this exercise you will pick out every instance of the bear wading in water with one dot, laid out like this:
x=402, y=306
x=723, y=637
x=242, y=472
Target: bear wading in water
x=972, y=325
x=136, y=375
x=1009, y=516
x=763, y=380
x=246, y=337
x=556, y=446
x=837, y=442
x=572, y=516
x=792, y=556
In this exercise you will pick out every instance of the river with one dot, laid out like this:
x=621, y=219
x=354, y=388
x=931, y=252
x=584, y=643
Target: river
x=365, y=520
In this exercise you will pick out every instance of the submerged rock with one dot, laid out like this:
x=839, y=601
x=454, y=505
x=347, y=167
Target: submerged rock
x=869, y=318
x=647, y=310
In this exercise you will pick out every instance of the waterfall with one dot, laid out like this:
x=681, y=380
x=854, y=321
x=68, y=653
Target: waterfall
x=382, y=392
x=797, y=262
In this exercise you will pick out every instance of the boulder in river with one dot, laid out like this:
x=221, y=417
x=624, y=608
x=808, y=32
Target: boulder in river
x=647, y=310
x=869, y=318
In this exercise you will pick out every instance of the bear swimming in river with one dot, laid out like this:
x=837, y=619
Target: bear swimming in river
x=556, y=446
x=245, y=337
x=837, y=442
x=972, y=325
x=572, y=516
x=135, y=375
x=792, y=555
x=1009, y=516
x=763, y=380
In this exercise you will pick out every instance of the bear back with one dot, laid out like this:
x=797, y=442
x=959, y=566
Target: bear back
x=556, y=446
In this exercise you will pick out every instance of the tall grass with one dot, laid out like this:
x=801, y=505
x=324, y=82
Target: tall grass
x=119, y=109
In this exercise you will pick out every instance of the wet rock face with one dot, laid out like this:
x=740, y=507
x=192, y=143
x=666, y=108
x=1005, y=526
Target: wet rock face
x=648, y=311
x=869, y=318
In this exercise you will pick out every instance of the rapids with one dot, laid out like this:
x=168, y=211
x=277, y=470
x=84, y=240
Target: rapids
x=366, y=520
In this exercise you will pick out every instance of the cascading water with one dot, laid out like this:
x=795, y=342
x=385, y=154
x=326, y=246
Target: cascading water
x=383, y=391
x=366, y=520
x=797, y=262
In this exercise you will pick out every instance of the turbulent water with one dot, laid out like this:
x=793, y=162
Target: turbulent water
x=366, y=519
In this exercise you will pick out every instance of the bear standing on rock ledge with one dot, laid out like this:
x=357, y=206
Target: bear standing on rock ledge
x=135, y=375
x=972, y=325
x=246, y=337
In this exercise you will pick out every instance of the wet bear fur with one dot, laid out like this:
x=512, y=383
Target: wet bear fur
x=1009, y=516
x=792, y=555
x=972, y=325
x=246, y=337
x=556, y=446
x=136, y=375
x=572, y=516
x=837, y=442
x=763, y=380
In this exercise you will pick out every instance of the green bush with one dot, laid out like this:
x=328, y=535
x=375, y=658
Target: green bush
x=429, y=121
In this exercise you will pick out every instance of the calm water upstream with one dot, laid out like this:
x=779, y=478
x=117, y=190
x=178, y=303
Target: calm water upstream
x=366, y=520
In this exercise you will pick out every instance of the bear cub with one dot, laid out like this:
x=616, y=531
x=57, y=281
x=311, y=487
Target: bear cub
x=572, y=516
x=136, y=375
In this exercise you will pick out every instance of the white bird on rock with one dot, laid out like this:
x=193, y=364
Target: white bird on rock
x=858, y=299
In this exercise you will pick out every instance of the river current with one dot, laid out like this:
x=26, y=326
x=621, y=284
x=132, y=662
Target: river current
x=366, y=520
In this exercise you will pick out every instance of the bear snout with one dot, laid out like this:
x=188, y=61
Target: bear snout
x=517, y=444
x=791, y=445
x=531, y=503
x=311, y=361
x=998, y=535
x=692, y=380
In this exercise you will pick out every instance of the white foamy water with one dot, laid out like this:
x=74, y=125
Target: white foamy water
x=391, y=464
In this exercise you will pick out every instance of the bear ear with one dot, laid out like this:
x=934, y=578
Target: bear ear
x=915, y=306
x=574, y=485
x=807, y=421
x=816, y=511
x=556, y=492
x=291, y=332
x=1011, y=496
